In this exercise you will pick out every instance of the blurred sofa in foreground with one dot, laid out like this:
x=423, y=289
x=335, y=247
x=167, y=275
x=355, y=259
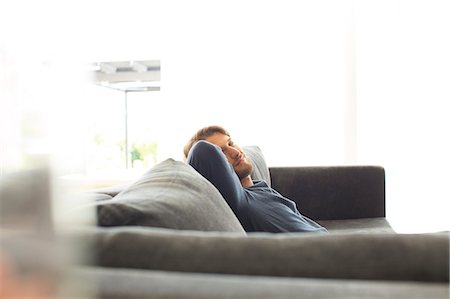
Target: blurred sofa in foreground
x=170, y=234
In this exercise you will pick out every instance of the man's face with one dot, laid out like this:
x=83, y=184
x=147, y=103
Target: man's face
x=235, y=156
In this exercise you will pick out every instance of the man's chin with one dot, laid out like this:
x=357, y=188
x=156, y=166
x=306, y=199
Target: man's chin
x=244, y=171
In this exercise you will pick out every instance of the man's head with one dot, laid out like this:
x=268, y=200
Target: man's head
x=220, y=137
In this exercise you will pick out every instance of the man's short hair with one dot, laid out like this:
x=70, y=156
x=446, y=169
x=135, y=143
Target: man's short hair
x=202, y=134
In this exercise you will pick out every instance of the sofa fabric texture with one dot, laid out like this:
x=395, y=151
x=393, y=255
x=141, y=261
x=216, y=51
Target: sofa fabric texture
x=414, y=257
x=134, y=284
x=333, y=193
x=171, y=195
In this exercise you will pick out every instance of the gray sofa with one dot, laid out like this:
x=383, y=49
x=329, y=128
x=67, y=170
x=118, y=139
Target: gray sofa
x=170, y=234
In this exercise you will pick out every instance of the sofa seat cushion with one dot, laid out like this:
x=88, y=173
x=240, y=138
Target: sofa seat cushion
x=171, y=195
x=362, y=225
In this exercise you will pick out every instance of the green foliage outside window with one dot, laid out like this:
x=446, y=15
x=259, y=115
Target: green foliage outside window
x=145, y=152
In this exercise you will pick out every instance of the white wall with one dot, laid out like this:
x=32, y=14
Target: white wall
x=273, y=75
x=403, y=90
x=277, y=74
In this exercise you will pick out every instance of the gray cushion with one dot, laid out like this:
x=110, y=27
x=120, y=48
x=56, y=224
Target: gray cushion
x=111, y=191
x=260, y=169
x=172, y=195
x=420, y=257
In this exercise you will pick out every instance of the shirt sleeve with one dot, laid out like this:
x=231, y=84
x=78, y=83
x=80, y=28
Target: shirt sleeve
x=209, y=160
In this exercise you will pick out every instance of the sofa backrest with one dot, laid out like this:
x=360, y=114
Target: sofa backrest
x=333, y=193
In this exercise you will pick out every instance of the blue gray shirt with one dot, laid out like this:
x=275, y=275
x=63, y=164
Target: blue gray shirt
x=259, y=208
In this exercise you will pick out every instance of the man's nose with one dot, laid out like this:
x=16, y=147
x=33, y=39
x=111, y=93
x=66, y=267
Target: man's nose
x=234, y=153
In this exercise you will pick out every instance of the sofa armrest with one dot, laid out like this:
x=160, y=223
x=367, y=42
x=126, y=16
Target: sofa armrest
x=333, y=193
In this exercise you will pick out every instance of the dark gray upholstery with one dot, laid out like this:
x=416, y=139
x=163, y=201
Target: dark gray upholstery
x=172, y=195
x=379, y=256
x=134, y=284
x=330, y=193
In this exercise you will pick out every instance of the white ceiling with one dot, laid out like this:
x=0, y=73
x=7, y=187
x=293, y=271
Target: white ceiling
x=142, y=75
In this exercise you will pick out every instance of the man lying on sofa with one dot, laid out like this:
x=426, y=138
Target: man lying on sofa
x=257, y=206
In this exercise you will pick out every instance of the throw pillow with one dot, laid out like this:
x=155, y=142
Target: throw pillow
x=171, y=195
